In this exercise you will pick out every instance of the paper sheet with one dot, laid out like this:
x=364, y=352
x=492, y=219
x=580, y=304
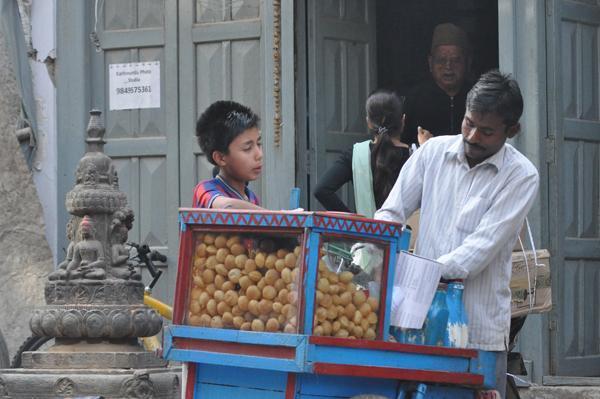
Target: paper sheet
x=415, y=282
x=134, y=86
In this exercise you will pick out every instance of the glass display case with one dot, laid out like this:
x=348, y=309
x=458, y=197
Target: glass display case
x=245, y=280
x=321, y=274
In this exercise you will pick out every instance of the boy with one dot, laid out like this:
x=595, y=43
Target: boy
x=228, y=134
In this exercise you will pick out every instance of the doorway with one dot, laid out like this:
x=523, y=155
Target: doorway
x=345, y=49
x=404, y=30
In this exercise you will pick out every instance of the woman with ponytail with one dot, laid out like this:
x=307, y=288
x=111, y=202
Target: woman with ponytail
x=372, y=165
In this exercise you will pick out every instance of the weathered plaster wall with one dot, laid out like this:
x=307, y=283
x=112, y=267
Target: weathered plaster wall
x=25, y=258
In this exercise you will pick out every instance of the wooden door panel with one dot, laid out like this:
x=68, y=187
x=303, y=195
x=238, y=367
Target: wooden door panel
x=576, y=261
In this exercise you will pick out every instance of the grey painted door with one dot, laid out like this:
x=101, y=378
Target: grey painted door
x=243, y=51
x=143, y=143
x=574, y=120
x=341, y=74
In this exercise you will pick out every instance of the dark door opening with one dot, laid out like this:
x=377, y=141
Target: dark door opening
x=404, y=31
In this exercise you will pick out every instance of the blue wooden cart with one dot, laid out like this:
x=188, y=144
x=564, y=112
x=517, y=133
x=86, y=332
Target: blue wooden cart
x=267, y=305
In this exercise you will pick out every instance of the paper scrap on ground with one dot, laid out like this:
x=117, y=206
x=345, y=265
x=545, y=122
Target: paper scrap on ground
x=415, y=282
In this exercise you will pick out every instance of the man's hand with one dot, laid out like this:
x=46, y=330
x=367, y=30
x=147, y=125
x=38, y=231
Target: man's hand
x=423, y=135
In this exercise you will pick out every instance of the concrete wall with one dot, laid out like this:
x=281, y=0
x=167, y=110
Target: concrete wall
x=25, y=257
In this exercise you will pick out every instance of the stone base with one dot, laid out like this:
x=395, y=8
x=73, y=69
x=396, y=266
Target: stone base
x=92, y=354
x=112, y=360
x=100, y=382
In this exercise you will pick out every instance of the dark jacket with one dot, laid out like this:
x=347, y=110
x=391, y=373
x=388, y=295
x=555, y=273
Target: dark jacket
x=431, y=108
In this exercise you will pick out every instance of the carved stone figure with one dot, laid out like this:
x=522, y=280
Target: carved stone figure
x=61, y=272
x=120, y=268
x=88, y=255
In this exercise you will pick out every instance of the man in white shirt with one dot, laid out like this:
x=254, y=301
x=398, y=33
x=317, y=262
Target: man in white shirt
x=474, y=191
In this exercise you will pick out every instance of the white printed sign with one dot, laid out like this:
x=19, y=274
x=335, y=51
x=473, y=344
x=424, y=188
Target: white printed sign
x=134, y=85
x=415, y=281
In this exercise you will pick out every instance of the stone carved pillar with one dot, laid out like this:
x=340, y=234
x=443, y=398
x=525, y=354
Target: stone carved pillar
x=94, y=301
x=95, y=293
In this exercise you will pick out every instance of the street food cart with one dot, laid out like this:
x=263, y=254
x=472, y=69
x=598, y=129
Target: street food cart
x=268, y=304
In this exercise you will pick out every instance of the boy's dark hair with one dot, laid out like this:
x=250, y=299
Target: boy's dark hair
x=497, y=93
x=220, y=124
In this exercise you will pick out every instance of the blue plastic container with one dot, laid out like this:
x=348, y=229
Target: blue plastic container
x=437, y=318
x=457, y=331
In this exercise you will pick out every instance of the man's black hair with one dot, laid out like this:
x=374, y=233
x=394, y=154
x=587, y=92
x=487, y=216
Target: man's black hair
x=220, y=124
x=497, y=93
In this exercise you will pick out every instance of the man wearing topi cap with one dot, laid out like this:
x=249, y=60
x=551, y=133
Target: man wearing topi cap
x=438, y=104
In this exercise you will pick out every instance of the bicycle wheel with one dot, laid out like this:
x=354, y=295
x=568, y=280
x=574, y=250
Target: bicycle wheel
x=3, y=353
x=31, y=343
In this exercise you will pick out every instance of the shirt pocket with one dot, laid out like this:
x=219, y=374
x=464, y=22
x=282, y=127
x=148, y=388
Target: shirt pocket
x=471, y=213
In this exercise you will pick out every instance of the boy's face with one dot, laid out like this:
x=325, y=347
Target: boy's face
x=244, y=160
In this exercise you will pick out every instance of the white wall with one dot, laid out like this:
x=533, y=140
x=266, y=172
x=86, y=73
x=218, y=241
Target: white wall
x=43, y=37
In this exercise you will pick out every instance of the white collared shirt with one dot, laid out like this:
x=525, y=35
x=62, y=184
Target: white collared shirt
x=470, y=219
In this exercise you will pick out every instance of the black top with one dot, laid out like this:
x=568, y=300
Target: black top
x=339, y=174
x=431, y=108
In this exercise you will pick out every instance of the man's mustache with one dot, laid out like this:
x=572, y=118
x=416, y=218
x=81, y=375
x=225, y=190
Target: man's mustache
x=474, y=145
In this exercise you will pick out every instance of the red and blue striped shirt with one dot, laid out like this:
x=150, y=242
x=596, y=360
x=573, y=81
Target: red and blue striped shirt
x=207, y=191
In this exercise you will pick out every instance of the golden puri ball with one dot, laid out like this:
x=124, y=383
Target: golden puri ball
x=222, y=254
x=245, y=282
x=373, y=303
x=255, y=276
x=258, y=325
x=272, y=325
x=229, y=261
x=208, y=276
x=222, y=308
x=270, y=261
x=227, y=319
x=279, y=265
x=237, y=249
x=246, y=326
x=211, y=250
x=231, y=297
x=233, y=240
x=346, y=277
x=216, y=322
x=281, y=253
x=238, y=321
x=269, y=292
x=219, y=280
x=265, y=306
x=240, y=261
x=220, y=241
x=234, y=275
x=271, y=276
x=253, y=307
x=211, y=262
x=290, y=260
x=359, y=297
x=243, y=302
x=260, y=259
x=201, y=250
x=211, y=307
x=253, y=292
x=290, y=329
x=209, y=238
x=249, y=266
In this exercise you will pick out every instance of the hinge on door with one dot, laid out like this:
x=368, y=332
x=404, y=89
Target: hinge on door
x=550, y=149
x=549, y=5
x=307, y=160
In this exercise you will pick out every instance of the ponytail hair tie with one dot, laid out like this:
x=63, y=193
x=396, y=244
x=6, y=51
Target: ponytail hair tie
x=382, y=130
